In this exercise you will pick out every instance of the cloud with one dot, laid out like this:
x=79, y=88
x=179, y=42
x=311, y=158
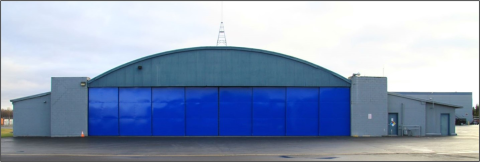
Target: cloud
x=421, y=46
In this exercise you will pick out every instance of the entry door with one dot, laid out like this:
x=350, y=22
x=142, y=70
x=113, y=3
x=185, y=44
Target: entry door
x=444, y=124
x=392, y=123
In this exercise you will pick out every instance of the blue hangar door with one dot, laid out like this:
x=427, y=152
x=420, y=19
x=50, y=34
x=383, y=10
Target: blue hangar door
x=219, y=111
x=302, y=111
x=201, y=111
x=268, y=111
x=135, y=111
x=334, y=112
x=235, y=111
x=168, y=111
x=103, y=112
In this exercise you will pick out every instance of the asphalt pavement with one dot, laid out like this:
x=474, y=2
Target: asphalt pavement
x=463, y=147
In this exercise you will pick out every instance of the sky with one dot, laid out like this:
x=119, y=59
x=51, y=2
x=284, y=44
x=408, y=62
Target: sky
x=418, y=46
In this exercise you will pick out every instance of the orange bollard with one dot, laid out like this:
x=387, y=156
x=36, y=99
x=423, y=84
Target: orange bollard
x=83, y=134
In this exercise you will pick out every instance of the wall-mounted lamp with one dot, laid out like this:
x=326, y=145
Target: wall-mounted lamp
x=44, y=101
x=83, y=84
x=139, y=67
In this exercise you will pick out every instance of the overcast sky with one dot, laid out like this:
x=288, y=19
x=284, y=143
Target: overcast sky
x=422, y=46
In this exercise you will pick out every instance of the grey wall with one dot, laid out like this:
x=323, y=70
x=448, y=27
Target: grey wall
x=69, y=107
x=219, y=66
x=32, y=117
x=455, y=98
x=413, y=113
x=369, y=96
x=433, y=119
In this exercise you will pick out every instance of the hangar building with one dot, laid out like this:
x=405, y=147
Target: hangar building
x=227, y=91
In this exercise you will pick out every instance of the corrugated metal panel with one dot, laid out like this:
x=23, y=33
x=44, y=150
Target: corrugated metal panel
x=302, y=111
x=334, y=112
x=103, y=111
x=135, y=111
x=235, y=113
x=268, y=111
x=201, y=111
x=219, y=66
x=168, y=111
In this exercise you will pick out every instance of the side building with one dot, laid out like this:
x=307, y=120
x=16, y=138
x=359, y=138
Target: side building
x=463, y=115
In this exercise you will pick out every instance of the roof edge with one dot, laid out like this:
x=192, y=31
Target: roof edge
x=427, y=101
x=30, y=97
x=215, y=47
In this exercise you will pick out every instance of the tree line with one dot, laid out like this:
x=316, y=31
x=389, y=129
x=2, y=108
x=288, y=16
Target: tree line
x=7, y=113
x=475, y=110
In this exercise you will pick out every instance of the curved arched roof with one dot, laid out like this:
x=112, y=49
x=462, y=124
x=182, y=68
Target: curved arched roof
x=218, y=66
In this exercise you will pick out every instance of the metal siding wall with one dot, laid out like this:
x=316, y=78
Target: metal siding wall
x=460, y=99
x=220, y=67
x=135, y=111
x=69, y=107
x=302, y=111
x=414, y=112
x=32, y=117
x=268, y=111
x=201, y=111
x=168, y=111
x=334, y=112
x=103, y=111
x=235, y=111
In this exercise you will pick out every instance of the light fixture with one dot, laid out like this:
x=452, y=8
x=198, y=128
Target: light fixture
x=83, y=84
x=139, y=67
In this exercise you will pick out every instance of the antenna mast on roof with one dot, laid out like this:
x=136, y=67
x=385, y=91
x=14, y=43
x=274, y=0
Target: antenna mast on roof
x=222, y=40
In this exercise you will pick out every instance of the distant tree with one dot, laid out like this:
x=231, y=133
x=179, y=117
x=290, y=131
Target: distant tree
x=6, y=113
x=476, y=110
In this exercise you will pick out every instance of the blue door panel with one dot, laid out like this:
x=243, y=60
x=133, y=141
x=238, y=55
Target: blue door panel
x=297, y=94
x=168, y=127
x=235, y=94
x=268, y=111
x=103, y=95
x=235, y=111
x=302, y=111
x=168, y=110
x=302, y=119
x=335, y=95
x=103, y=111
x=334, y=127
x=202, y=127
x=235, y=126
x=201, y=111
x=268, y=127
x=334, y=114
x=135, y=111
x=334, y=109
x=302, y=127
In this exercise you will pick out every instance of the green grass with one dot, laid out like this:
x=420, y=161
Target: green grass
x=7, y=132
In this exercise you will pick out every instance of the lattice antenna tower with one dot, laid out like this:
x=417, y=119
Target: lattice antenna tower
x=222, y=40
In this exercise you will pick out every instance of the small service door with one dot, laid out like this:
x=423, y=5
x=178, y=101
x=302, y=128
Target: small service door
x=392, y=124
